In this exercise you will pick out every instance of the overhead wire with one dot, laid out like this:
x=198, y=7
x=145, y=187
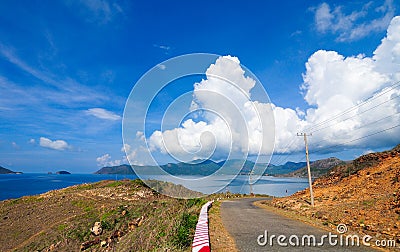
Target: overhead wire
x=348, y=110
x=365, y=125
x=353, y=140
x=370, y=99
x=369, y=109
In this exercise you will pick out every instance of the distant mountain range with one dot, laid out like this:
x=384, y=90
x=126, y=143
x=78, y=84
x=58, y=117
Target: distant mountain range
x=205, y=168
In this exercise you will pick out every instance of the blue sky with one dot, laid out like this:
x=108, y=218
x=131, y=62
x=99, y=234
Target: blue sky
x=67, y=67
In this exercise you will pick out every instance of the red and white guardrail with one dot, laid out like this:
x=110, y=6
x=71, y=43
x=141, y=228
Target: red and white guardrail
x=201, y=241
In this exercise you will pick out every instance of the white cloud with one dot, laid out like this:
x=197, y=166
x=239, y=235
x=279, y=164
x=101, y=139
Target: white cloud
x=103, y=114
x=102, y=160
x=164, y=48
x=105, y=160
x=161, y=66
x=32, y=141
x=15, y=145
x=130, y=153
x=323, y=17
x=140, y=135
x=332, y=84
x=235, y=123
x=367, y=152
x=55, y=145
x=355, y=25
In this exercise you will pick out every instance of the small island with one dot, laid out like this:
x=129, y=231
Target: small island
x=63, y=172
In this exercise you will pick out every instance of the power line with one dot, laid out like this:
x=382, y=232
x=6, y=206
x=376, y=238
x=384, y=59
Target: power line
x=394, y=85
x=281, y=160
x=287, y=147
x=369, y=109
x=364, y=125
x=375, y=133
x=368, y=100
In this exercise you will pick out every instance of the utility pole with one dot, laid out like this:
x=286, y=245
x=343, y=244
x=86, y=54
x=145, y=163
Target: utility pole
x=251, y=187
x=308, y=166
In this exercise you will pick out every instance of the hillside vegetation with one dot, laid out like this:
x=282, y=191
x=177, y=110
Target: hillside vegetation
x=105, y=216
x=318, y=168
x=363, y=194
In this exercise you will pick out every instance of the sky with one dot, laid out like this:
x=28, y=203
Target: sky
x=68, y=67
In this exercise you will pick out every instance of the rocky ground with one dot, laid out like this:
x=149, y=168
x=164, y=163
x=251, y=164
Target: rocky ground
x=104, y=216
x=364, y=195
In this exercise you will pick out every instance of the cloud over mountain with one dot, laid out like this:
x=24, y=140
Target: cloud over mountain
x=353, y=101
x=228, y=120
x=349, y=98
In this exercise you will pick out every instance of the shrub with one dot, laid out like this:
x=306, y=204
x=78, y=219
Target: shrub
x=187, y=224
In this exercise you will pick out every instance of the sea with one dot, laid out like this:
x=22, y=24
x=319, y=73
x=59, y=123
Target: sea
x=17, y=185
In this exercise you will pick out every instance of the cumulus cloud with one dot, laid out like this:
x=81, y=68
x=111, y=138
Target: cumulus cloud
x=353, y=102
x=229, y=120
x=355, y=25
x=333, y=84
x=140, y=135
x=32, y=141
x=130, y=153
x=55, y=145
x=105, y=160
x=103, y=114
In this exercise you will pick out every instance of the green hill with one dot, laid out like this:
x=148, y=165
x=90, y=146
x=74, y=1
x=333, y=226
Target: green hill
x=132, y=217
x=318, y=168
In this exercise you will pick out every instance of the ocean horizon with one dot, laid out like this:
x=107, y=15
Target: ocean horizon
x=14, y=186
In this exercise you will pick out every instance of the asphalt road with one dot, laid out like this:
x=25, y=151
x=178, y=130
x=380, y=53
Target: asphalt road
x=248, y=225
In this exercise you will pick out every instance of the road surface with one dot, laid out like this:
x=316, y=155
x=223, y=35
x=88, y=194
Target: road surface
x=250, y=225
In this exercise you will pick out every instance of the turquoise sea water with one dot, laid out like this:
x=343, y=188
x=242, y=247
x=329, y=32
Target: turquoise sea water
x=18, y=185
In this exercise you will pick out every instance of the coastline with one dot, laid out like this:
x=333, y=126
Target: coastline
x=14, y=186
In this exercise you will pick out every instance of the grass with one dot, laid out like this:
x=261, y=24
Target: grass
x=115, y=184
x=62, y=227
x=168, y=224
x=185, y=230
x=369, y=202
x=196, y=202
x=25, y=199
